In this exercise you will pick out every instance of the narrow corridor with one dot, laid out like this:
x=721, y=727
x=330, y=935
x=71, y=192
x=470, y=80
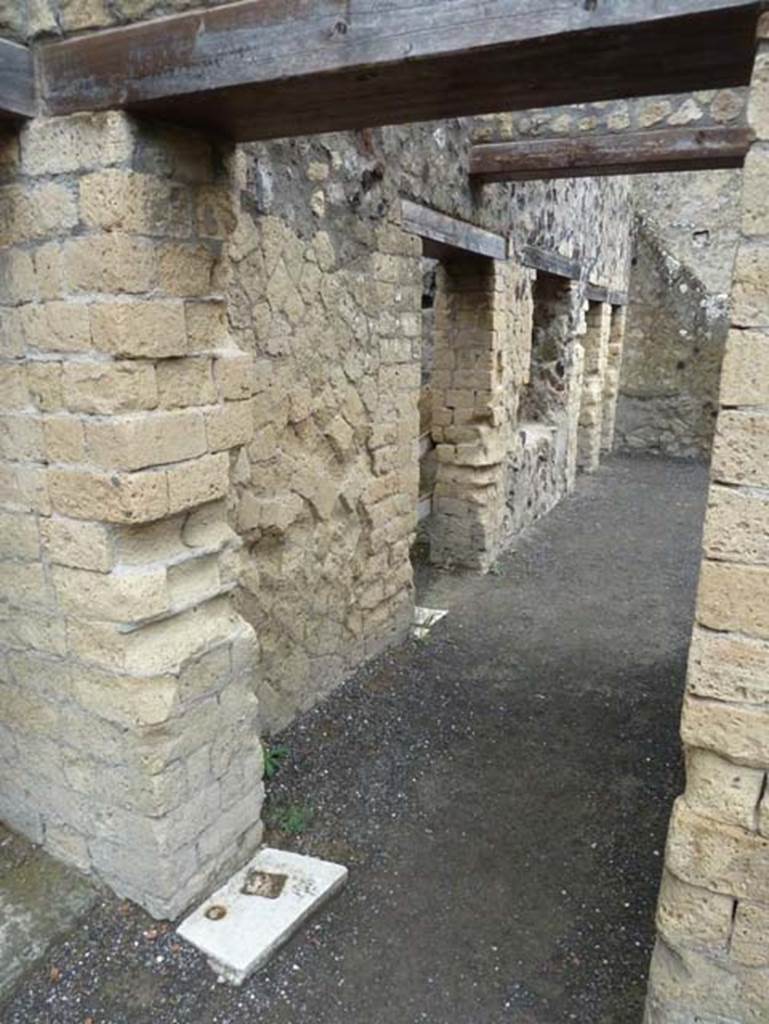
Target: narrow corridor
x=500, y=792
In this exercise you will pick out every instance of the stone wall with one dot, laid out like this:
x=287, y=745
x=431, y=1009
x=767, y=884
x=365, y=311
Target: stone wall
x=128, y=740
x=211, y=370
x=685, y=241
x=211, y=367
x=711, y=961
x=678, y=317
x=325, y=289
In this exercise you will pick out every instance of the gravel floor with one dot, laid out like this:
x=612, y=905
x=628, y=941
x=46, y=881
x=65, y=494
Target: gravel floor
x=499, y=791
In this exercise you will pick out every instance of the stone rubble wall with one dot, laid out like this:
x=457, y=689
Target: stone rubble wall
x=211, y=372
x=685, y=242
x=479, y=366
x=676, y=333
x=711, y=961
x=542, y=463
x=324, y=289
x=596, y=360
x=614, y=360
x=705, y=108
x=128, y=739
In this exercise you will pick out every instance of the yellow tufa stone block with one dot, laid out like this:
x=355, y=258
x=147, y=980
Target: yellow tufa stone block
x=111, y=497
x=736, y=525
x=111, y=597
x=750, y=285
x=82, y=142
x=184, y=382
x=77, y=543
x=56, y=327
x=741, y=448
x=145, y=439
x=745, y=369
x=153, y=328
x=734, y=597
x=109, y=263
x=229, y=425
x=105, y=388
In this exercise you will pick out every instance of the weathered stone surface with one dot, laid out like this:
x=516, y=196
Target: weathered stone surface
x=755, y=217
x=751, y=926
x=745, y=370
x=734, y=597
x=750, y=289
x=83, y=142
x=737, y=525
x=76, y=543
x=691, y=987
x=728, y=668
x=721, y=858
x=693, y=917
x=715, y=787
x=131, y=328
x=109, y=387
x=113, y=498
x=149, y=439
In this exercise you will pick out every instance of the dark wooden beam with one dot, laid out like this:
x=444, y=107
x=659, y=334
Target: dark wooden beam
x=550, y=262
x=637, y=152
x=444, y=235
x=17, y=81
x=269, y=68
x=599, y=293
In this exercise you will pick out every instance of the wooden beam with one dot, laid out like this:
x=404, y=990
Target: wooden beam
x=444, y=235
x=600, y=293
x=637, y=152
x=17, y=81
x=269, y=68
x=550, y=262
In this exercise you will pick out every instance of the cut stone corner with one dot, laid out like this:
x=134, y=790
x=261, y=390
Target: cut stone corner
x=243, y=924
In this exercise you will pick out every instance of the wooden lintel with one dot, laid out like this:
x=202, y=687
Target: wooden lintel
x=600, y=293
x=550, y=262
x=636, y=152
x=17, y=81
x=444, y=235
x=270, y=68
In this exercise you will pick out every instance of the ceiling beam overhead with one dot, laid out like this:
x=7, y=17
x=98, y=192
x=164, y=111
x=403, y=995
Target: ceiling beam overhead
x=17, y=82
x=636, y=152
x=269, y=68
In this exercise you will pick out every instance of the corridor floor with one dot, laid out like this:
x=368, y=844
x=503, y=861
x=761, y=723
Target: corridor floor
x=500, y=792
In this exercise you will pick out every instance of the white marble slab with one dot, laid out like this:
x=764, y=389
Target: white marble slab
x=240, y=930
x=425, y=619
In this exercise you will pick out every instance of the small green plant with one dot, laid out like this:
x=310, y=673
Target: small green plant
x=291, y=818
x=274, y=756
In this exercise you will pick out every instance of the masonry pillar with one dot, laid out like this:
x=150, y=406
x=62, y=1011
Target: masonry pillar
x=711, y=962
x=611, y=380
x=128, y=741
x=474, y=405
x=596, y=355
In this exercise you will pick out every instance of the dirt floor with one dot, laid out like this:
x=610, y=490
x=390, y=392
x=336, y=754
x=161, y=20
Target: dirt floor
x=500, y=792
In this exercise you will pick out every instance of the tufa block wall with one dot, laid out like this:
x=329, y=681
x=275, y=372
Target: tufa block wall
x=127, y=716
x=327, y=489
x=711, y=961
x=480, y=339
x=324, y=289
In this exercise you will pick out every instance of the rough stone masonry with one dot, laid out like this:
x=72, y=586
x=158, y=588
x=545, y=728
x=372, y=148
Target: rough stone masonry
x=211, y=373
x=210, y=385
x=711, y=962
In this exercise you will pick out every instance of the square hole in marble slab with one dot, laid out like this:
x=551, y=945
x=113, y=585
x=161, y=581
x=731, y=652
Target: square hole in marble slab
x=242, y=924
